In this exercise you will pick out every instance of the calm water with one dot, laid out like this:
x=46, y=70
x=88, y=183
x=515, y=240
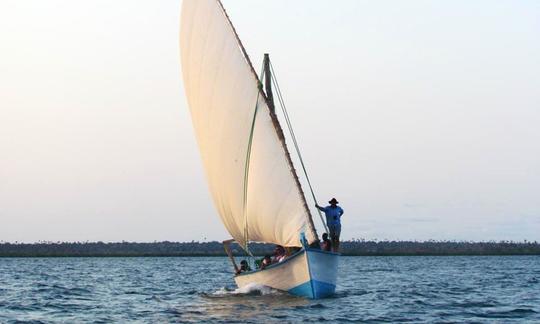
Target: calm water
x=371, y=289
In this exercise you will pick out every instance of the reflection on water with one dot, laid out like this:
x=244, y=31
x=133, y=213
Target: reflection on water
x=242, y=304
x=380, y=289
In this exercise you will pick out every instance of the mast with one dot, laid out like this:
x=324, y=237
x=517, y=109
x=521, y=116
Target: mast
x=268, y=83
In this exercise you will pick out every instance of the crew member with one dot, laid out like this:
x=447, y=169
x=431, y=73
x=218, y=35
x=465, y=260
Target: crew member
x=333, y=219
x=326, y=245
x=244, y=267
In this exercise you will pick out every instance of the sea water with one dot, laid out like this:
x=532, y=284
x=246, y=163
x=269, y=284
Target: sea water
x=484, y=289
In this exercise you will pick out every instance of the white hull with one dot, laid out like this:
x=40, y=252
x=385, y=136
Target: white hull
x=310, y=273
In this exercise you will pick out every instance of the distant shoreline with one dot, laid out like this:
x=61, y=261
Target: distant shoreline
x=215, y=249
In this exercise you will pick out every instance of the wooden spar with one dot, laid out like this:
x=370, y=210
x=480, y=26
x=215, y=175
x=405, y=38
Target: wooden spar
x=227, y=247
x=268, y=83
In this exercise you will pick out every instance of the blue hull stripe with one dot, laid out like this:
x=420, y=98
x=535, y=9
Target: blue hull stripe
x=313, y=289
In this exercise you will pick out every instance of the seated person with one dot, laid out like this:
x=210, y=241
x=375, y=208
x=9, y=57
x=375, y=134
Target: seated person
x=326, y=245
x=279, y=254
x=244, y=267
x=266, y=262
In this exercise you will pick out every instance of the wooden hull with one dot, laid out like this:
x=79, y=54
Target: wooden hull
x=309, y=273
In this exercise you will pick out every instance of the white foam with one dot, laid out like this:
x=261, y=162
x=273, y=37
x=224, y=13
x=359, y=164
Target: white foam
x=254, y=287
x=250, y=289
x=222, y=292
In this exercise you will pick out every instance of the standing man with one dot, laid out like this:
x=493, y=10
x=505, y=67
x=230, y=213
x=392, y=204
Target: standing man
x=333, y=220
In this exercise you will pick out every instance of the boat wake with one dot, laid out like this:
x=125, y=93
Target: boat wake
x=252, y=289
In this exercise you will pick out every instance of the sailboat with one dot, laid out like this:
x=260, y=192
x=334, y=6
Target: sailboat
x=250, y=173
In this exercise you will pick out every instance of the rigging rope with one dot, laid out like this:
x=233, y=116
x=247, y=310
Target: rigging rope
x=289, y=126
x=246, y=177
x=246, y=168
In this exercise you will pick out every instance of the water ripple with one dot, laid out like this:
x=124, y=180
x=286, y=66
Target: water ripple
x=371, y=289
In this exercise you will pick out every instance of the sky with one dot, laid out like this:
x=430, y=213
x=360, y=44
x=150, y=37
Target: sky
x=421, y=117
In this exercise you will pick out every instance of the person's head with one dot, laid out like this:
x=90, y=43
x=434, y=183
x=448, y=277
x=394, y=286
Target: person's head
x=325, y=236
x=243, y=264
x=279, y=250
x=267, y=260
x=333, y=202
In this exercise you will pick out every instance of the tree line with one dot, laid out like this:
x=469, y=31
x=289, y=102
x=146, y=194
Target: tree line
x=214, y=248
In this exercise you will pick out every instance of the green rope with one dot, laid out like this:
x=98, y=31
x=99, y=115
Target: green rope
x=246, y=167
x=246, y=176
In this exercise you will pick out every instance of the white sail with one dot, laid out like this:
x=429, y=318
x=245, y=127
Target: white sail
x=222, y=92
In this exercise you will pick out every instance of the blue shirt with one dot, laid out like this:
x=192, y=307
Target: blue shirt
x=333, y=214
